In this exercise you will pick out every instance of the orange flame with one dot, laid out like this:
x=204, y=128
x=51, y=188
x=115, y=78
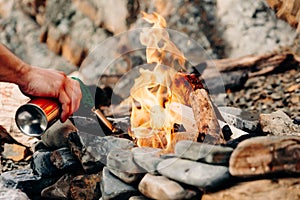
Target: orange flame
x=152, y=117
x=160, y=49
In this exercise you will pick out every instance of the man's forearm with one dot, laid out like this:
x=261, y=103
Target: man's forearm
x=11, y=67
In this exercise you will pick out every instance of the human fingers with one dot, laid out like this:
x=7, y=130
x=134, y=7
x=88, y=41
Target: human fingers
x=74, y=92
x=65, y=105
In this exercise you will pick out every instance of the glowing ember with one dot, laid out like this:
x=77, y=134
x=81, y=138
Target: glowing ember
x=154, y=92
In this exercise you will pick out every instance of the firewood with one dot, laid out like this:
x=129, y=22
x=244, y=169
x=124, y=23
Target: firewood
x=253, y=64
x=266, y=155
x=206, y=120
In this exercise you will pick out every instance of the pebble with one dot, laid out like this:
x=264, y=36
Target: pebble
x=39, y=146
x=130, y=178
x=42, y=165
x=213, y=154
x=240, y=119
x=276, y=96
x=56, y=136
x=278, y=123
x=63, y=159
x=147, y=158
x=192, y=173
x=92, y=150
x=297, y=121
x=160, y=187
x=293, y=88
x=122, y=165
x=26, y=181
x=114, y=188
x=227, y=133
x=48, y=164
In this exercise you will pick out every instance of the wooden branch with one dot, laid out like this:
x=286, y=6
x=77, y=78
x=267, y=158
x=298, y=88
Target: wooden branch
x=206, y=120
x=266, y=155
x=250, y=62
x=248, y=66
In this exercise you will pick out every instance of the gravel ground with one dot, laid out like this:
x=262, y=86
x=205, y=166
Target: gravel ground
x=266, y=94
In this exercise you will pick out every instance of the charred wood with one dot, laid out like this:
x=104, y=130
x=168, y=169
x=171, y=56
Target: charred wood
x=206, y=120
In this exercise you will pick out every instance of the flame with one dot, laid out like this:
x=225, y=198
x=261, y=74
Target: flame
x=154, y=91
x=160, y=49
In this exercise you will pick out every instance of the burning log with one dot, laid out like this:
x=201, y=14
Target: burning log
x=206, y=120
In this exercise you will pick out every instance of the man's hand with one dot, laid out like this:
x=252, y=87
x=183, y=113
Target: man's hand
x=41, y=82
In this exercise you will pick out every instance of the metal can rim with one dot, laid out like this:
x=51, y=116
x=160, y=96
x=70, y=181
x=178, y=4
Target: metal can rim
x=41, y=112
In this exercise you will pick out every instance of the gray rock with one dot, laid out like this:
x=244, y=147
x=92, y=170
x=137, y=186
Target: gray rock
x=57, y=135
x=11, y=193
x=130, y=178
x=121, y=163
x=26, y=180
x=19, y=178
x=63, y=159
x=200, y=175
x=160, y=187
x=39, y=146
x=147, y=158
x=92, y=150
x=279, y=124
x=239, y=118
x=42, y=164
x=114, y=188
x=48, y=164
x=214, y=154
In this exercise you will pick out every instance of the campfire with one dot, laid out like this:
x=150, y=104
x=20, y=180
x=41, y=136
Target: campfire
x=155, y=91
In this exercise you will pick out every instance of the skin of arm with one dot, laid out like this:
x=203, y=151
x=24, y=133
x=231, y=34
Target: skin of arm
x=39, y=82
